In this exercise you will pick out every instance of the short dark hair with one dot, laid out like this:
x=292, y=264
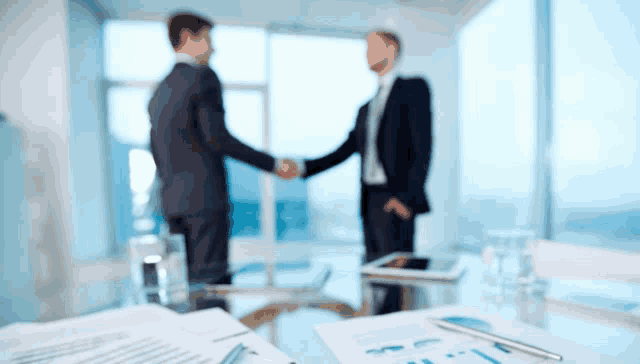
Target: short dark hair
x=391, y=38
x=179, y=21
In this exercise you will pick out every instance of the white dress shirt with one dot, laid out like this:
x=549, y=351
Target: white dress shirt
x=185, y=58
x=373, y=173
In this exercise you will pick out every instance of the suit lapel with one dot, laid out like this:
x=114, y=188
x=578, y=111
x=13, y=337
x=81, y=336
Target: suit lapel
x=393, y=94
x=361, y=128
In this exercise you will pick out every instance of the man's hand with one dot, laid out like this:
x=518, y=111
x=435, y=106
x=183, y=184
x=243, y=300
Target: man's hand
x=288, y=170
x=397, y=206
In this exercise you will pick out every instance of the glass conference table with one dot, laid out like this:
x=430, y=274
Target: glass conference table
x=251, y=298
x=609, y=331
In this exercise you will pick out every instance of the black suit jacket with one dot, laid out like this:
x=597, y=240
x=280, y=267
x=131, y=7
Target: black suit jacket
x=189, y=141
x=404, y=143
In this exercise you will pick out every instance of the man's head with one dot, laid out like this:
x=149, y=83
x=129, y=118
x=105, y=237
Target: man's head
x=383, y=49
x=189, y=34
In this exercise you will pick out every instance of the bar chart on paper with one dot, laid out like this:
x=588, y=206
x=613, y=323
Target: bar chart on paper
x=423, y=337
x=443, y=347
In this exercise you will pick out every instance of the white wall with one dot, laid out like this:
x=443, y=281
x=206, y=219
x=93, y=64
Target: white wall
x=35, y=89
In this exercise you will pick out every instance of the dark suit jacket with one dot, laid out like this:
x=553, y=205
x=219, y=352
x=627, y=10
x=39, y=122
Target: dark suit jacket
x=189, y=141
x=404, y=143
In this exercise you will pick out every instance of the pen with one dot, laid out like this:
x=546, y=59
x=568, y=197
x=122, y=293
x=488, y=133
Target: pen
x=497, y=339
x=234, y=355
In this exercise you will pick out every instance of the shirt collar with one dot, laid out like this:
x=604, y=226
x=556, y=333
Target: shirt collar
x=185, y=58
x=387, y=80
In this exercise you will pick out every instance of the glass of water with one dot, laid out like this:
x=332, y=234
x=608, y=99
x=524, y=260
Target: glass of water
x=158, y=269
x=173, y=275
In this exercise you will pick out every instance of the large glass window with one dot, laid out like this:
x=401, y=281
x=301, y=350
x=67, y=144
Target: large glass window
x=497, y=111
x=595, y=123
x=313, y=109
x=137, y=51
x=128, y=116
x=244, y=116
x=239, y=54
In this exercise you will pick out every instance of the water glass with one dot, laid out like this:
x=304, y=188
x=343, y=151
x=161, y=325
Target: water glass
x=158, y=268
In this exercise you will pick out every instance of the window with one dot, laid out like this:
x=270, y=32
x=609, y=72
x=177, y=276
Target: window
x=299, y=86
x=131, y=160
x=239, y=54
x=137, y=51
x=312, y=112
x=497, y=119
x=128, y=116
x=595, y=130
x=244, y=111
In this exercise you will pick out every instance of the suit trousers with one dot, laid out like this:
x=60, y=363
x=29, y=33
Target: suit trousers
x=385, y=233
x=207, y=247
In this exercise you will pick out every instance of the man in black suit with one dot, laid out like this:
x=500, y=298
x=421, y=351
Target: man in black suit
x=393, y=136
x=189, y=141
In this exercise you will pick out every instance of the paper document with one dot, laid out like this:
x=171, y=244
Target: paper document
x=152, y=343
x=141, y=334
x=429, y=344
x=218, y=327
x=213, y=325
x=410, y=338
x=259, y=351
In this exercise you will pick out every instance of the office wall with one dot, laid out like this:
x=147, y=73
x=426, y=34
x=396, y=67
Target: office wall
x=34, y=89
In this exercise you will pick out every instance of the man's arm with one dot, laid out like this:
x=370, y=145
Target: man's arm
x=314, y=166
x=421, y=134
x=217, y=137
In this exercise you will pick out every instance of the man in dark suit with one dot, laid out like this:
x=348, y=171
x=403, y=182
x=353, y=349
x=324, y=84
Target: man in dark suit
x=393, y=136
x=189, y=141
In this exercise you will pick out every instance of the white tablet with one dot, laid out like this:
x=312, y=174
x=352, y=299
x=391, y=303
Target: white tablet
x=408, y=265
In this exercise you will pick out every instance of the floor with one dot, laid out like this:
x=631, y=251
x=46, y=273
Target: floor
x=293, y=331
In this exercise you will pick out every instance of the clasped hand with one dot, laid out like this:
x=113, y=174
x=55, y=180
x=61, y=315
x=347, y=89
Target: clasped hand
x=288, y=169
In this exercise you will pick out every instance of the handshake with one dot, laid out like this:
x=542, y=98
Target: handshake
x=288, y=169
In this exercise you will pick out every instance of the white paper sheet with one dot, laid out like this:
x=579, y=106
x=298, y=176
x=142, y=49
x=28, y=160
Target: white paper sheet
x=220, y=328
x=151, y=343
x=34, y=334
x=259, y=351
x=356, y=340
x=140, y=334
x=213, y=325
